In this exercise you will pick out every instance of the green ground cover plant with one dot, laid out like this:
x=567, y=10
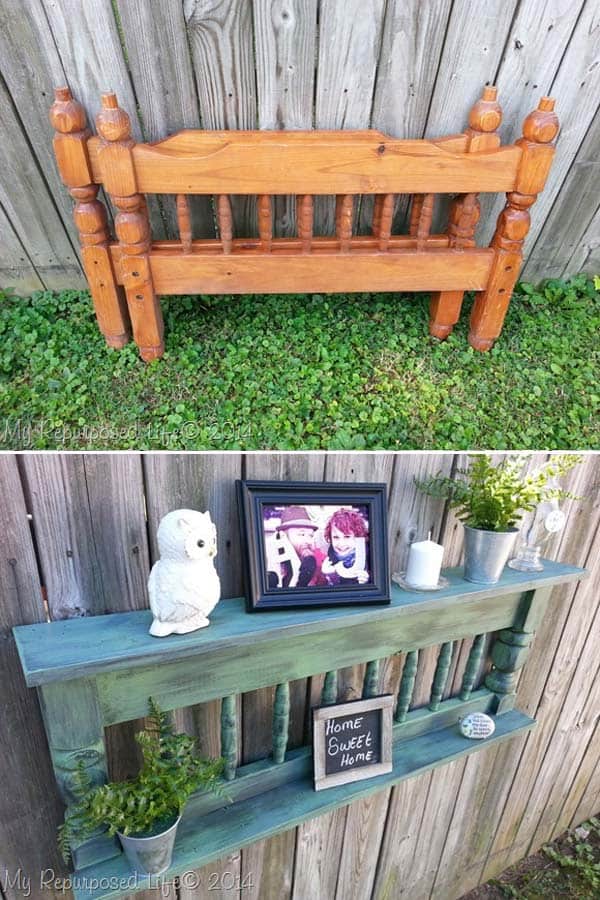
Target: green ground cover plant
x=303, y=372
x=567, y=868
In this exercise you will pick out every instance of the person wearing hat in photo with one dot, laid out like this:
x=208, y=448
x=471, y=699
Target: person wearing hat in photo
x=293, y=559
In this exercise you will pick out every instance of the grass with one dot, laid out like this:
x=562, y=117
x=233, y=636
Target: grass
x=303, y=372
x=568, y=868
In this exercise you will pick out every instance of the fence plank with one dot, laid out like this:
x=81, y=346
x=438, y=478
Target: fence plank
x=271, y=863
x=90, y=50
x=536, y=44
x=285, y=34
x=350, y=34
x=25, y=35
x=164, y=87
x=30, y=809
x=575, y=89
x=545, y=680
x=202, y=482
x=29, y=206
x=16, y=268
x=413, y=37
x=564, y=236
x=221, y=38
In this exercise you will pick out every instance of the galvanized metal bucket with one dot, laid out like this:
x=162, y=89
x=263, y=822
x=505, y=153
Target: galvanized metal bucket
x=486, y=553
x=150, y=855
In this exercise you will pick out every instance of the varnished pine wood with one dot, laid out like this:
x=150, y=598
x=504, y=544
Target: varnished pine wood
x=490, y=307
x=184, y=223
x=225, y=221
x=265, y=222
x=132, y=226
x=239, y=273
x=308, y=163
x=70, y=147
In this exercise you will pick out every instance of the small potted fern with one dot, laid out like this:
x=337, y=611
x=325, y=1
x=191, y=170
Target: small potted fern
x=144, y=812
x=490, y=501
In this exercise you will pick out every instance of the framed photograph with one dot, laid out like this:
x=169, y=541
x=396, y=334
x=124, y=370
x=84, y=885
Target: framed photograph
x=352, y=741
x=313, y=544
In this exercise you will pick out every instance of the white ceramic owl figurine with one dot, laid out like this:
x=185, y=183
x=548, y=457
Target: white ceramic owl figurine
x=184, y=586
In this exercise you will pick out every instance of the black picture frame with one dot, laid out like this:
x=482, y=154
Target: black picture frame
x=255, y=498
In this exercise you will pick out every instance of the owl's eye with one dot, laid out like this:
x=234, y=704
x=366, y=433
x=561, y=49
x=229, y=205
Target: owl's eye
x=200, y=543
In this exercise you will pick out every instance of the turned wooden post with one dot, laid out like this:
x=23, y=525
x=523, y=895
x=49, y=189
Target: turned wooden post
x=67, y=117
x=539, y=130
x=484, y=120
x=132, y=226
x=511, y=649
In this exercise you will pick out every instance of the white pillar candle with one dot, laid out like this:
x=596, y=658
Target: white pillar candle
x=424, y=564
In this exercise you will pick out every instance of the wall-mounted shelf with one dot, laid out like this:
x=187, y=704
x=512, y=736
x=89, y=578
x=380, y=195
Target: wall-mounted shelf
x=93, y=672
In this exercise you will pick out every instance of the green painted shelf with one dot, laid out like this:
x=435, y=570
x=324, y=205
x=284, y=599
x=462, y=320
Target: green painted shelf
x=99, y=671
x=204, y=837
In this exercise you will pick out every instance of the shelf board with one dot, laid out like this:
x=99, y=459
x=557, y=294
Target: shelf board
x=97, y=645
x=204, y=837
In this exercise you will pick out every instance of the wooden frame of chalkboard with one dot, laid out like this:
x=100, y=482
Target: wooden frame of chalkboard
x=341, y=749
x=282, y=572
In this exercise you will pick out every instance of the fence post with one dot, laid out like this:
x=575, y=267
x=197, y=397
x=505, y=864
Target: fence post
x=67, y=117
x=484, y=120
x=539, y=129
x=132, y=226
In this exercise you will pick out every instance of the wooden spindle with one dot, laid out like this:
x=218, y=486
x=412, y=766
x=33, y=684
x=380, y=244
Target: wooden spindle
x=229, y=736
x=424, y=224
x=441, y=675
x=305, y=216
x=464, y=216
x=225, y=221
x=385, y=222
x=70, y=148
x=371, y=680
x=281, y=721
x=407, y=684
x=184, y=223
x=376, y=226
x=116, y=163
x=265, y=222
x=330, y=688
x=472, y=667
x=415, y=214
x=344, y=212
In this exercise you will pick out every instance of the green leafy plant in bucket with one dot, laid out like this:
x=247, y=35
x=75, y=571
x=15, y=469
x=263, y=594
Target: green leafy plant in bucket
x=171, y=771
x=495, y=497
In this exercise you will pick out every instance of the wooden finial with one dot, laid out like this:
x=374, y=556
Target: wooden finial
x=113, y=122
x=486, y=114
x=541, y=125
x=67, y=116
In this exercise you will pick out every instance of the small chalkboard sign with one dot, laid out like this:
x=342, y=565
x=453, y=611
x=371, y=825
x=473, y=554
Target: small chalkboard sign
x=352, y=741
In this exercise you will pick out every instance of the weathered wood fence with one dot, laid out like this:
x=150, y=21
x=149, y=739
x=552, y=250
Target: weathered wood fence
x=78, y=538
x=411, y=69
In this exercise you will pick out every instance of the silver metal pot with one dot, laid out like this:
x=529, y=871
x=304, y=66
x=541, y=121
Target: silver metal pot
x=486, y=553
x=150, y=855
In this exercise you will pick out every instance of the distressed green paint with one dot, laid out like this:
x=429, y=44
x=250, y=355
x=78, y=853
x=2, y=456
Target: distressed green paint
x=472, y=666
x=407, y=684
x=91, y=645
x=441, y=674
x=204, y=837
x=330, y=688
x=281, y=721
x=229, y=736
x=511, y=648
x=371, y=679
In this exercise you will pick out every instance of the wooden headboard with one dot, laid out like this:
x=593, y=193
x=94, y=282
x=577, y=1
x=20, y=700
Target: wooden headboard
x=127, y=275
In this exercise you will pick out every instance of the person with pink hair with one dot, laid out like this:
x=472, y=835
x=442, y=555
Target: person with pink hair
x=346, y=533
